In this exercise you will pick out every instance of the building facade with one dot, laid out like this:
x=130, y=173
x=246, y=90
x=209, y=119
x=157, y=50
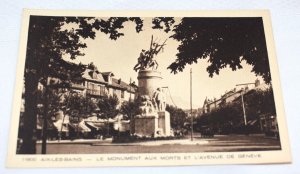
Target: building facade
x=97, y=84
x=230, y=96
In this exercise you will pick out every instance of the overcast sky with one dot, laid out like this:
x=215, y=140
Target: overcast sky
x=121, y=55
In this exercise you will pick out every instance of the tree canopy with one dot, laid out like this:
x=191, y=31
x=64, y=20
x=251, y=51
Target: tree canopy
x=108, y=106
x=178, y=117
x=257, y=104
x=223, y=42
x=48, y=41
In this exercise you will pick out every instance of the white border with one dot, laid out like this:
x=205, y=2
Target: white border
x=90, y=160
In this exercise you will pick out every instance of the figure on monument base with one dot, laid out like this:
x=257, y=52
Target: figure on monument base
x=146, y=106
x=159, y=100
x=152, y=105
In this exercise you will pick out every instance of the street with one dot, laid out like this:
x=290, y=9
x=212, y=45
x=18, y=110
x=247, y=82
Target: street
x=220, y=143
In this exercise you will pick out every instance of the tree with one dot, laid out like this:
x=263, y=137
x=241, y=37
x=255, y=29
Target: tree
x=223, y=42
x=108, y=108
x=260, y=102
x=178, y=117
x=48, y=41
x=78, y=106
x=257, y=102
x=223, y=118
x=130, y=109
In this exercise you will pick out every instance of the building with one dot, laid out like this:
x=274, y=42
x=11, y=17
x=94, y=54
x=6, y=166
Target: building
x=230, y=96
x=211, y=104
x=97, y=84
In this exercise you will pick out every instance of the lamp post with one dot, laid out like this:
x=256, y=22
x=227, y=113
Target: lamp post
x=243, y=106
x=243, y=103
x=192, y=124
x=131, y=119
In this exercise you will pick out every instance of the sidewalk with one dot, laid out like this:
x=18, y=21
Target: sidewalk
x=157, y=143
x=108, y=142
x=187, y=141
x=77, y=141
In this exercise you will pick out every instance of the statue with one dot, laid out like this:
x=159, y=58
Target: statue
x=146, y=106
x=159, y=100
x=146, y=59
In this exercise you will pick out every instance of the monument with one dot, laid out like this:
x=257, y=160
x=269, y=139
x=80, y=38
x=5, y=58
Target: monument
x=153, y=121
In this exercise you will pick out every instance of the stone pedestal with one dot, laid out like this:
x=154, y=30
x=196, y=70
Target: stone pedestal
x=154, y=123
x=146, y=126
x=148, y=82
x=164, y=123
x=153, y=126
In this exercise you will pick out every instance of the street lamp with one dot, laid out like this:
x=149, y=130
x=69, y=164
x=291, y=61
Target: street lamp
x=243, y=103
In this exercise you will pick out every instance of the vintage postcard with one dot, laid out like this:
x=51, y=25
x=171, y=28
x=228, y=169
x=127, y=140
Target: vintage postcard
x=147, y=88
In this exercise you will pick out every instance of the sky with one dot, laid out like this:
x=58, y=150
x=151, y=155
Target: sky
x=121, y=55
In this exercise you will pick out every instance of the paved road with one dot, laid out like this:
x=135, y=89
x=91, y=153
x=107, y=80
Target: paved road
x=219, y=143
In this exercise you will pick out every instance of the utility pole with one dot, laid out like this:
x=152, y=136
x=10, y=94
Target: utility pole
x=191, y=94
x=131, y=124
x=243, y=103
x=244, y=112
x=130, y=89
x=45, y=120
x=243, y=106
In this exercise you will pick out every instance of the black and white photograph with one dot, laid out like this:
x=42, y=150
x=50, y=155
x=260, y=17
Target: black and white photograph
x=147, y=88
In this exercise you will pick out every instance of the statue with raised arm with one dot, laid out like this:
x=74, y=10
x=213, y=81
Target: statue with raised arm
x=146, y=60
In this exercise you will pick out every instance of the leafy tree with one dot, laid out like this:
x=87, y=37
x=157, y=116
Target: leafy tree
x=78, y=106
x=108, y=106
x=54, y=101
x=260, y=102
x=178, y=117
x=223, y=42
x=48, y=41
x=222, y=118
x=130, y=109
x=257, y=102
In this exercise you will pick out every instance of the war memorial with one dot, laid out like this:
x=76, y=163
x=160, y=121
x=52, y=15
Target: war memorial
x=154, y=120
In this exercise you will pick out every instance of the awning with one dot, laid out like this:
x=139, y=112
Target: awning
x=80, y=127
x=97, y=125
x=40, y=122
x=60, y=126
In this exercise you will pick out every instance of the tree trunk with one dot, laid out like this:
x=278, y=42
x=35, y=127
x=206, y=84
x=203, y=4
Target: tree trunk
x=45, y=122
x=30, y=115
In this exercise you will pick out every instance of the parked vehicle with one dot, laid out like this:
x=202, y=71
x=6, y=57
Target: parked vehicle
x=270, y=126
x=206, y=132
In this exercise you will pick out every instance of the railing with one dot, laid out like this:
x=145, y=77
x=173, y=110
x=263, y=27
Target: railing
x=94, y=92
x=74, y=85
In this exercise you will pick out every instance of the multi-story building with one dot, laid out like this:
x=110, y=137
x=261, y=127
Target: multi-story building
x=230, y=96
x=97, y=84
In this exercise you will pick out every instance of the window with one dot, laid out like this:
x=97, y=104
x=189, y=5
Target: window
x=102, y=90
x=122, y=94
